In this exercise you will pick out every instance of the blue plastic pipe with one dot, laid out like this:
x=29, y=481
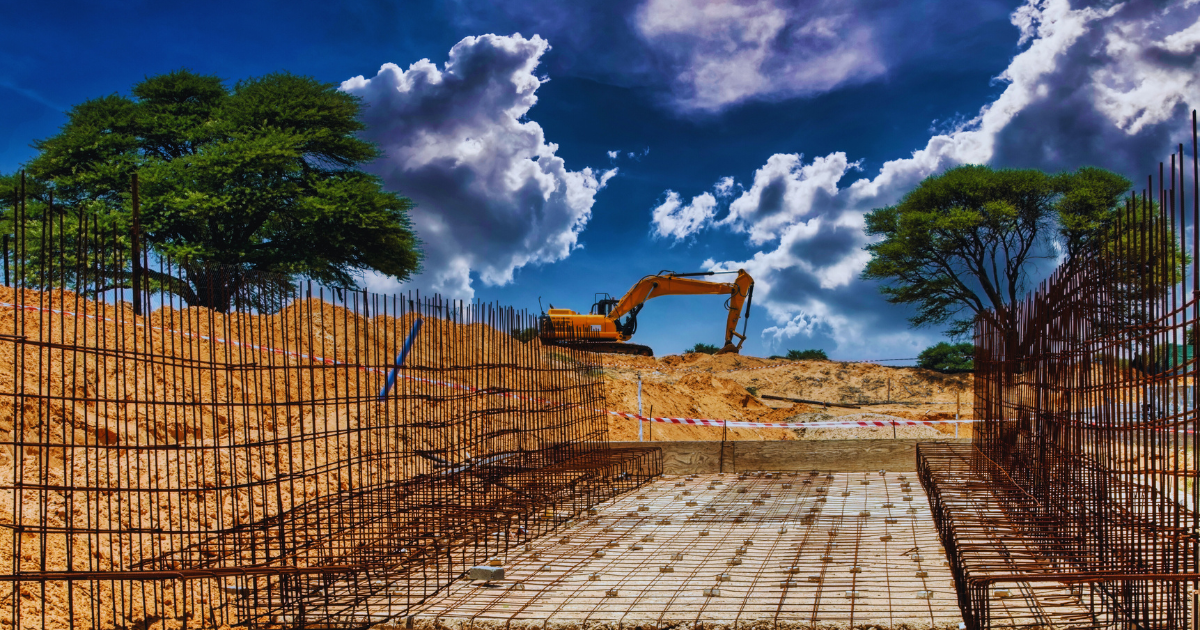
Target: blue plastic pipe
x=391, y=379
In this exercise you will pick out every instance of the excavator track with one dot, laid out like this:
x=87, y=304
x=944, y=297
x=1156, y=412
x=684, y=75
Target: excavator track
x=605, y=347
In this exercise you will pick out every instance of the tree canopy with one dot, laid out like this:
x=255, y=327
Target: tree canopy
x=807, y=355
x=948, y=358
x=703, y=348
x=961, y=242
x=264, y=176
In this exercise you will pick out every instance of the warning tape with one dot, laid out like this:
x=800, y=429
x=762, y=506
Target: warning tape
x=674, y=369
x=743, y=369
x=622, y=414
x=705, y=422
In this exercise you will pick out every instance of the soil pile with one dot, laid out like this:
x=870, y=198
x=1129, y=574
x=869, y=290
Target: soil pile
x=730, y=387
x=149, y=434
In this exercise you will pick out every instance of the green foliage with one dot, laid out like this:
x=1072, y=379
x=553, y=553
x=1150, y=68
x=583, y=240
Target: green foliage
x=525, y=334
x=263, y=177
x=807, y=355
x=960, y=243
x=703, y=348
x=948, y=358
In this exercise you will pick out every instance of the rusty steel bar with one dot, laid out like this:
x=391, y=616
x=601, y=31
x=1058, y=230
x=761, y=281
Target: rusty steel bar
x=1080, y=486
x=217, y=452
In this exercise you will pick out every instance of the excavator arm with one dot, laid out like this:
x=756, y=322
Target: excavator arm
x=739, y=291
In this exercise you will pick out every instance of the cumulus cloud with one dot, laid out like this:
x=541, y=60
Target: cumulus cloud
x=672, y=219
x=728, y=52
x=491, y=194
x=1102, y=86
x=724, y=187
x=784, y=191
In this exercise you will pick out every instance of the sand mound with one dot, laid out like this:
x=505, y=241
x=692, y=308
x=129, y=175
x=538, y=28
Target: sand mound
x=728, y=387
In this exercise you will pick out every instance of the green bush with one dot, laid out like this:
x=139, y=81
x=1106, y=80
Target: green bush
x=807, y=355
x=948, y=358
x=704, y=348
x=525, y=334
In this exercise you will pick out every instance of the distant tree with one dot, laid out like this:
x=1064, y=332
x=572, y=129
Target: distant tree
x=263, y=177
x=525, y=334
x=948, y=358
x=807, y=355
x=959, y=244
x=703, y=348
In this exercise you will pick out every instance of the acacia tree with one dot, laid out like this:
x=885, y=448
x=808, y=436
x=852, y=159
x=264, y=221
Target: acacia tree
x=961, y=243
x=261, y=179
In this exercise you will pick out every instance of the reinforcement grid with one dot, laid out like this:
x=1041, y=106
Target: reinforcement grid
x=1080, y=485
x=804, y=551
x=267, y=462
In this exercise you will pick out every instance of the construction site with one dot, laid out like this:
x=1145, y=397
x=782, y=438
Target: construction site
x=302, y=456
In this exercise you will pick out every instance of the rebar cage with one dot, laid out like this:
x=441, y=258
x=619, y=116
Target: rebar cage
x=290, y=456
x=1075, y=506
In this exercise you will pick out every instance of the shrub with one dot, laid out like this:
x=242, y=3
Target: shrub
x=704, y=348
x=948, y=358
x=525, y=334
x=807, y=355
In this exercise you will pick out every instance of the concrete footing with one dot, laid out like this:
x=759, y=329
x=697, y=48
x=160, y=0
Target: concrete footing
x=697, y=457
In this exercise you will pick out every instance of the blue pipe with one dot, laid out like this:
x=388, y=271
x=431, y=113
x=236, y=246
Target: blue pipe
x=391, y=379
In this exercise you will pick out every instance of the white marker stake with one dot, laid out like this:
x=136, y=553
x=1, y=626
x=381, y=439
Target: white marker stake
x=639, y=406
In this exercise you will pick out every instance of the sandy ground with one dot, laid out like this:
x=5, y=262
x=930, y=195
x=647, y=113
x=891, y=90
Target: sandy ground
x=782, y=551
x=720, y=387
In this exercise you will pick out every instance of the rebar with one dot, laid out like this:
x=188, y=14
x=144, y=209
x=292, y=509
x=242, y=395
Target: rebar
x=218, y=451
x=1080, y=484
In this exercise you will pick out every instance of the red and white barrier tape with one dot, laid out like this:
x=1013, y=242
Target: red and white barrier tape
x=622, y=414
x=741, y=424
x=674, y=369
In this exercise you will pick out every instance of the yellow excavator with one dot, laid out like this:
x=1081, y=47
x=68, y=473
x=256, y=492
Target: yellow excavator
x=601, y=329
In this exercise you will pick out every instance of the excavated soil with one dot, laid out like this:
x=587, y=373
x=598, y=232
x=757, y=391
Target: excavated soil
x=728, y=387
x=696, y=386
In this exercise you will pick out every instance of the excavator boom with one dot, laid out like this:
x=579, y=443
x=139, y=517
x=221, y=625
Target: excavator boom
x=603, y=330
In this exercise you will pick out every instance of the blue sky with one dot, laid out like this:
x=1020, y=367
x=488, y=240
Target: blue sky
x=561, y=149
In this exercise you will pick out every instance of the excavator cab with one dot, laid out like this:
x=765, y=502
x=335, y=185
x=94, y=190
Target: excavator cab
x=603, y=305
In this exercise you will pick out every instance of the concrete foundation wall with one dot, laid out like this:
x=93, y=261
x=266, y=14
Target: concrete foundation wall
x=682, y=458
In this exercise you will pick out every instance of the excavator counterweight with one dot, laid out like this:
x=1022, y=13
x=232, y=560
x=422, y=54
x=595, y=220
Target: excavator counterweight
x=602, y=329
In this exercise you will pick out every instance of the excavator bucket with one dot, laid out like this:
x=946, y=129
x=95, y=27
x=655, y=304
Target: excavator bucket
x=729, y=349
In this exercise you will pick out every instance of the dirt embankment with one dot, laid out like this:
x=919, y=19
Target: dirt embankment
x=729, y=387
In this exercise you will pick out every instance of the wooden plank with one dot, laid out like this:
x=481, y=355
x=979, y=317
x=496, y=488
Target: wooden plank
x=694, y=457
x=685, y=458
x=809, y=402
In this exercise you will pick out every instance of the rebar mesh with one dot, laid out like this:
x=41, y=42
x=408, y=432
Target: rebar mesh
x=268, y=462
x=1079, y=487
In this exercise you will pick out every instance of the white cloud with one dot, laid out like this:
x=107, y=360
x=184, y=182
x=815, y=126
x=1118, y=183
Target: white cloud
x=724, y=187
x=612, y=155
x=491, y=194
x=1115, y=79
x=784, y=190
x=672, y=219
x=728, y=52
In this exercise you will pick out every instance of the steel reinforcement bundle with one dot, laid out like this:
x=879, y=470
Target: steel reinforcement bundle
x=187, y=445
